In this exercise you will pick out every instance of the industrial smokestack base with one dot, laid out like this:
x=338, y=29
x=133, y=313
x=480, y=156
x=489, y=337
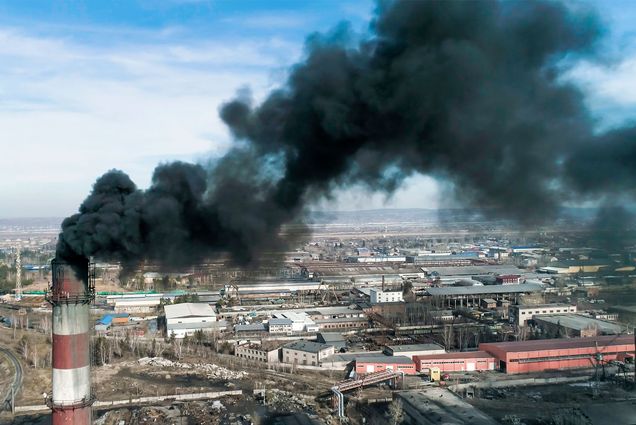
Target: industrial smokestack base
x=71, y=294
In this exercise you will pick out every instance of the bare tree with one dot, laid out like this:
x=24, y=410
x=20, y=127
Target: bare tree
x=447, y=336
x=396, y=412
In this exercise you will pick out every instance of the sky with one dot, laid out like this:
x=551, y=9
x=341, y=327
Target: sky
x=91, y=85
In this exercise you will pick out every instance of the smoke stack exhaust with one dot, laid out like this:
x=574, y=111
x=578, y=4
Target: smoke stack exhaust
x=71, y=294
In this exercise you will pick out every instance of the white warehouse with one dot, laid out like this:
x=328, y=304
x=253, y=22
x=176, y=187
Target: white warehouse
x=187, y=318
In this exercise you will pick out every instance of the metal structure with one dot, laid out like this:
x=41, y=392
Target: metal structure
x=366, y=380
x=18, y=275
x=71, y=293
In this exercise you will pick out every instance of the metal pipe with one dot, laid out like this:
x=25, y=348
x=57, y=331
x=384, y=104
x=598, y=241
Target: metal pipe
x=70, y=294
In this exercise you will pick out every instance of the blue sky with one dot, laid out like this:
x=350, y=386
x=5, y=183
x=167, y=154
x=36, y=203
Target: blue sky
x=86, y=86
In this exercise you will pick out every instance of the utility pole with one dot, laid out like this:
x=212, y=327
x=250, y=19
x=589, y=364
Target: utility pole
x=18, y=275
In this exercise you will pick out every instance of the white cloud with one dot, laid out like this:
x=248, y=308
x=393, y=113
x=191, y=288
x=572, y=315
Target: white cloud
x=70, y=111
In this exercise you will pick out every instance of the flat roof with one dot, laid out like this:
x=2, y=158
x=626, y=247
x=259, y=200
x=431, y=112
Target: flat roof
x=553, y=305
x=486, y=289
x=559, y=344
x=580, y=322
x=414, y=347
x=280, y=321
x=384, y=359
x=456, y=355
x=250, y=327
x=308, y=346
x=188, y=310
x=341, y=319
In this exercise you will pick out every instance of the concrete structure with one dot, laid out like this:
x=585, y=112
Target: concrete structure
x=364, y=365
x=467, y=296
x=71, y=293
x=379, y=296
x=469, y=361
x=550, y=354
x=306, y=352
x=520, y=314
x=280, y=325
x=576, y=325
x=410, y=350
x=138, y=305
x=187, y=318
x=342, y=323
x=258, y=352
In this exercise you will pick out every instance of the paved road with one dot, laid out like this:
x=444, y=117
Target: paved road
x=17, y=381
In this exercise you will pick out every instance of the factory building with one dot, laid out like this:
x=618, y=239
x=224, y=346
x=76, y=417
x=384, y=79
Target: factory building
x=137, y=305
x=520, y=314
x=300, y=321
x=280, y=325
x=456, y=362
x=339, y=323
x=258, y=352
x=552, y=354
x=187, y=318
x=372, y=364
x=471, y=296
x=306, y=352
x=379, y=296
x=576, y=325
x=375, y=259
x=411, y=350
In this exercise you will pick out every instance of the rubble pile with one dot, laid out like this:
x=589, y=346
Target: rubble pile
x=209, y=369
x=285, y=401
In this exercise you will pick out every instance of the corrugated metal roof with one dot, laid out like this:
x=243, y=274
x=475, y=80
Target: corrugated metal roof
x=560, y=344
x=487, y=289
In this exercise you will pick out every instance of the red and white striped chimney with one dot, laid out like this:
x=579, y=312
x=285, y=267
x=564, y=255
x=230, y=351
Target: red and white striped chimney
x=71, y=293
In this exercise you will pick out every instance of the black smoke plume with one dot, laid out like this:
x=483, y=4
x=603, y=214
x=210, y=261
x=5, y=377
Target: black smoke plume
x=469, y=92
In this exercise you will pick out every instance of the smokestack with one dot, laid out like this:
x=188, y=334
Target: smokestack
x=71, y=293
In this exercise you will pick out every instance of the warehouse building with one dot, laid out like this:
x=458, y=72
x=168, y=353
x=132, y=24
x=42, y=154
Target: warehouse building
x=339, y=323
x=470, y=361
x=410, y=350
x=471, y=296
x=306, y=352
x=520, y=314
x=187, y=318
x=372, y=364
x=576, y=325
x=553, y=354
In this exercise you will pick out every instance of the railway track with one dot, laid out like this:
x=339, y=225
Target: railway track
x=17, y=380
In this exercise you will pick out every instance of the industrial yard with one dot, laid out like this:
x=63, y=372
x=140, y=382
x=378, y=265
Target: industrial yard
x=282, y=342
x=389, y=212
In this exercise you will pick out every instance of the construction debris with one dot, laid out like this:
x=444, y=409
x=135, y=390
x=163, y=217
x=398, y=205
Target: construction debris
x=211, y=370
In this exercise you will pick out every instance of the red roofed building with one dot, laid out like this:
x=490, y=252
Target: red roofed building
x=508, y=279
x=552, y=354
x=456, y=362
